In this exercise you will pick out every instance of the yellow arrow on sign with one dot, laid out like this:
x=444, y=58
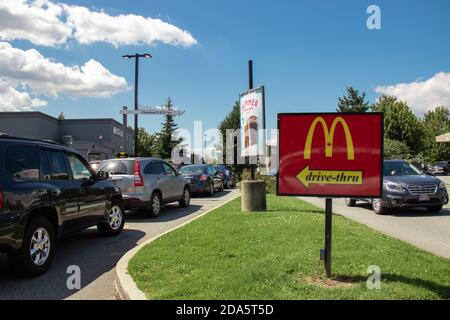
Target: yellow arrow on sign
x=307, y=177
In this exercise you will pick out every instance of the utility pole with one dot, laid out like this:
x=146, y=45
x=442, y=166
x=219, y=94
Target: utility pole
x=136, y=93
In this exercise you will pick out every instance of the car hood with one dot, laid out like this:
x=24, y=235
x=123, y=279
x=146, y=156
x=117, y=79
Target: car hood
x=406, y=180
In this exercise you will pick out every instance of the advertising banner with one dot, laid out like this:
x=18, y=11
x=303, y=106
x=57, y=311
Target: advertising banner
x=252, y=122
x=330, y=154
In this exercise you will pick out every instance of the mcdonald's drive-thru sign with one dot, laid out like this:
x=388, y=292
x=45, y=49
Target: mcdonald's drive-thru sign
x=330, y=154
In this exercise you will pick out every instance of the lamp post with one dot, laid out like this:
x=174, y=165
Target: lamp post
x=136, y=91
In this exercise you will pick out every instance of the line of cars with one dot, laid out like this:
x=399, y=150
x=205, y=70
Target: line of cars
x=49, y=191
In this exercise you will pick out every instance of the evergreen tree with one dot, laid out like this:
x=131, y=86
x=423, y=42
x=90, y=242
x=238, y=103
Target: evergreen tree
x=164, y=143
x=61, y=116
x=146, y=143
x=353, y=102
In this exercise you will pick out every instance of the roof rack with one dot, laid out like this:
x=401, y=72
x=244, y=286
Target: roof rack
x=6, y=136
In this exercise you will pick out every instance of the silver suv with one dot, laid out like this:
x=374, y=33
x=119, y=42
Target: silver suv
x=147, y=183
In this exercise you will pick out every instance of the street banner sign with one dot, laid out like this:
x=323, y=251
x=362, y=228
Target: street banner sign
x=253, y=122
x=330, y=154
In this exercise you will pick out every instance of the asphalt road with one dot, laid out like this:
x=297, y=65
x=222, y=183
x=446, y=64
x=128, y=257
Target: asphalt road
x=428, y=231
x=97, y=256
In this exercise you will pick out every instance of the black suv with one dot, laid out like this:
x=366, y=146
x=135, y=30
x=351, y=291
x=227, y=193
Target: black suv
x=48, y=191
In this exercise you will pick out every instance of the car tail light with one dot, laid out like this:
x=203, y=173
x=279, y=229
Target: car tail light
x=138, y=181
x=203, y=177
x=1, y=200
x=221, y=174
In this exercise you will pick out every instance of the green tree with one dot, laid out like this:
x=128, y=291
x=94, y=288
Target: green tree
x=436, y=123
x=353, y=102
x=146, y=143
x=61, y=116
x=400, y=123
x=394, y=149
x=164, y=143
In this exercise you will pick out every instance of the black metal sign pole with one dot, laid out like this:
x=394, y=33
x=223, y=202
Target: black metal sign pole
x=250, y=86
x=328, y=225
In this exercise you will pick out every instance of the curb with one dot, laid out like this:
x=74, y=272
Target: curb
x=125, y=285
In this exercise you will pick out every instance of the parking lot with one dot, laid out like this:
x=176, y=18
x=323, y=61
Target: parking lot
x=97, y=256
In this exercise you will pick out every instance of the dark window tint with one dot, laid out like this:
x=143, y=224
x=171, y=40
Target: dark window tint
x=22, y=162
x=154, y=168
x=58, y=170
x=168, y=169
x=220, y=168
x=117, y=167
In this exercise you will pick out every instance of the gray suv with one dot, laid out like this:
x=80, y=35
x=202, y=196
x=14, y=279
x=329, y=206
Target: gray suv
x=147, y=183
x=406, y=186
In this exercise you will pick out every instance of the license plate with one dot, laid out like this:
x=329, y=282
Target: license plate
x=424, y=197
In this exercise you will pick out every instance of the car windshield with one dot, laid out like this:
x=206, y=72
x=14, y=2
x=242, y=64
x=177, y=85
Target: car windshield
x=117, y=166
x=193, y=169
x=400, y=169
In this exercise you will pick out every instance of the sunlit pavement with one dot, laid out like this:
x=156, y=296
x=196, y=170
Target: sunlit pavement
x=428, y=231
x=97, y=256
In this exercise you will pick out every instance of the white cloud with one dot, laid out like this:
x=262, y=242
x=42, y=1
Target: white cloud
x=47, y=23
x=44, y=76
x=39, y=22
x=91, y=26
x=13, y=100
x=421, y=96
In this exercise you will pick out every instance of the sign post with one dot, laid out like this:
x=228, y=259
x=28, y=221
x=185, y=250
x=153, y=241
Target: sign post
x=330, y=155
x=252, y=119
x=328, y=227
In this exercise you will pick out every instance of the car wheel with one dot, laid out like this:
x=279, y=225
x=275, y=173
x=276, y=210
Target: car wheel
x=36, y=254
x=378, y=207
x=116, y=221
x=186, y=198
x=350, y=202
x=211, y=189
x=434, y=208
x=155, y=205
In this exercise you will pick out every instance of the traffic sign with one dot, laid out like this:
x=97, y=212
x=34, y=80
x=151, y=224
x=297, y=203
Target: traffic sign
x=330, y=154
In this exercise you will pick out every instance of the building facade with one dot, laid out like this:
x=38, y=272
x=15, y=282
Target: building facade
x=96, y=139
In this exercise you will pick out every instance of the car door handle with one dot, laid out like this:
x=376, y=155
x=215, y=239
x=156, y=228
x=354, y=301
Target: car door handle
x=55, y=193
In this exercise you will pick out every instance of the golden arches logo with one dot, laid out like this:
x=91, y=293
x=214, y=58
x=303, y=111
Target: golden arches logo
x=329, y=137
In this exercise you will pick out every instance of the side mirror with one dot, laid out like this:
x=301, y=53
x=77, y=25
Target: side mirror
x=102, y=175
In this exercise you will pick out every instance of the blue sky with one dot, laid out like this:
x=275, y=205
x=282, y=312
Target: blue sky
x=304, y=52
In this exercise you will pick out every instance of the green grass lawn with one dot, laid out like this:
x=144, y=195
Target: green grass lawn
x=228, y=254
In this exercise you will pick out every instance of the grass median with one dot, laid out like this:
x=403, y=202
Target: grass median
x=228, y=254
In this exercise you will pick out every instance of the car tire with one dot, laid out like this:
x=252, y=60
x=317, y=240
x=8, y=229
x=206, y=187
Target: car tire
x=434, y=208
x=350, y=202
x=116, y=221
x=377, y=206
x=186, y=200
x=39, y=236
x=155, y=205
x=211, y=189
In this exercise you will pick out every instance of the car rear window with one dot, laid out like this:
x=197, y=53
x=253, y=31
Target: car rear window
x=193, y=169
x=117, y=167
x=22, y=162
